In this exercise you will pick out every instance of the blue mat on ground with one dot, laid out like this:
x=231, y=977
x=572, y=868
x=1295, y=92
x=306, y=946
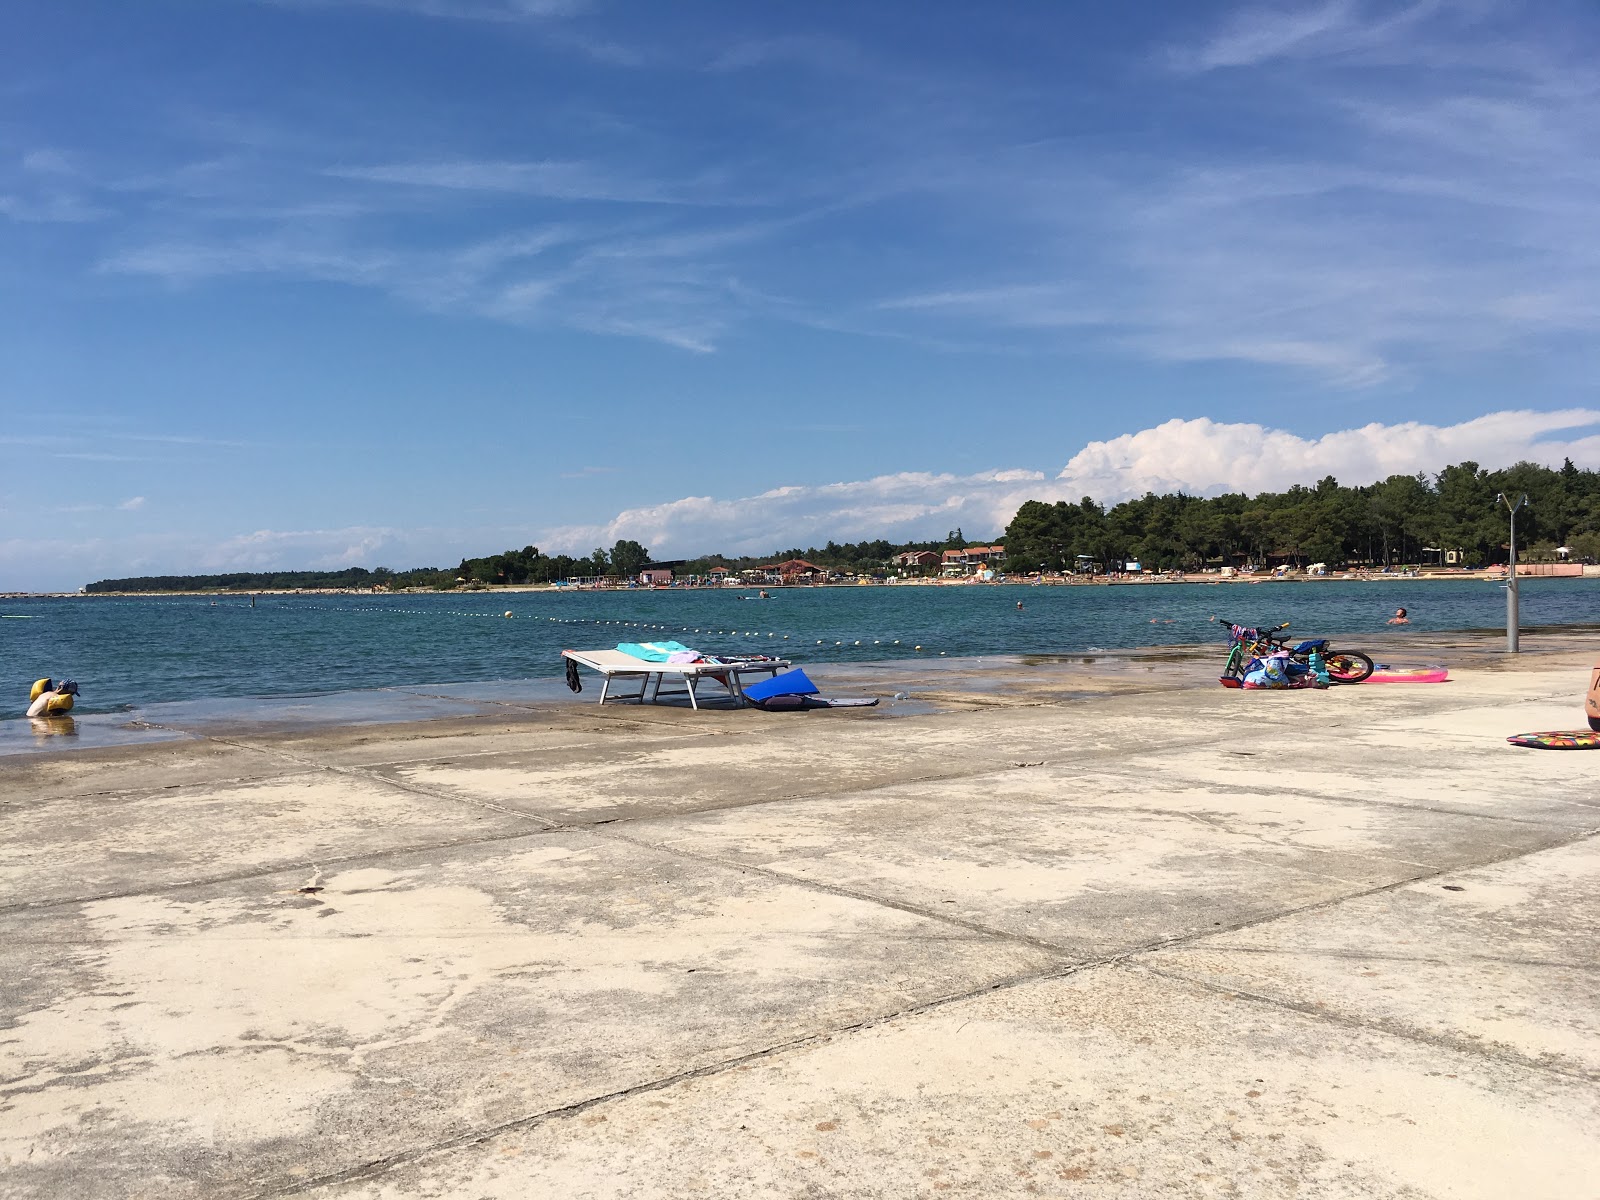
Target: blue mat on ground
x=790, y=683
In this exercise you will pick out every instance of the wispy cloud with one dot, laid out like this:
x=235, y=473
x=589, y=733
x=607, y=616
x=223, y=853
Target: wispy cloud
x=132, y=504
x=589, y=472
x=1436, y=203
x=664, y=285
x=457, y=10
x=553, y=180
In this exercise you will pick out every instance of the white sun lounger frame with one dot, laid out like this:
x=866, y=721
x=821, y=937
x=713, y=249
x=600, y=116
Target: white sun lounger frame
x=614, y=664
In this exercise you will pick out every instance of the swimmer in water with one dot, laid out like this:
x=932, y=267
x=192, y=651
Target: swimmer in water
x=1019, y=605
x=1399, y=617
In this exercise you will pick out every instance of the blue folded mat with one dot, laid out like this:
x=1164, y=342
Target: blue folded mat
x=790, y=683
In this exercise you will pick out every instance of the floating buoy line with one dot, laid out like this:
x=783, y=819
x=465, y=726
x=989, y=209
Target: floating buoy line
x=748, y=633
x=299, y=605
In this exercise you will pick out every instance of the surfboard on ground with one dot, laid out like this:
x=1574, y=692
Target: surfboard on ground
x=792, y=703
x=1408, y=675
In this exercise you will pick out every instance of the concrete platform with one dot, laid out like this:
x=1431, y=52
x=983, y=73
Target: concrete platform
x=1170, y=941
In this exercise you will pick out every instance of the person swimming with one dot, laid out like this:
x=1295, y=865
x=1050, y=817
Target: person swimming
x=50, y=699
x=1399, y=617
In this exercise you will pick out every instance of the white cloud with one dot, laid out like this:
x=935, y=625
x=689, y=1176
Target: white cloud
x=1205, y=457
x=1262, y=34
x=462, y=10
x=663, y=285
x=550, y=179
x=1254, y=35
x=1200, y=457
x=132, y=504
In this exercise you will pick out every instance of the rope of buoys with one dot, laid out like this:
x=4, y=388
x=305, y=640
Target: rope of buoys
x=358, y=606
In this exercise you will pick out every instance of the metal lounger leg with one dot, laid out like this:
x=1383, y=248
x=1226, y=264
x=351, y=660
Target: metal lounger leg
x=605, y=687
x=693, y=703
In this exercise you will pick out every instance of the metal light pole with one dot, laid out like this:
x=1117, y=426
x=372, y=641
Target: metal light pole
x=1513, y=613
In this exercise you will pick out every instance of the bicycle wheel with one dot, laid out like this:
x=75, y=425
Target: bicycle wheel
x=1348, y=666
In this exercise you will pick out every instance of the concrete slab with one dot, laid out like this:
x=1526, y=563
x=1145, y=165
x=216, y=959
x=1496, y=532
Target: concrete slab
x=374, y=745
x=783, y=756
x=1110, y=1082
x=26, y=779
x=120, y=842
x=789, y=991
x=1125, y=862
x=1500, y=960
x=232, y=1039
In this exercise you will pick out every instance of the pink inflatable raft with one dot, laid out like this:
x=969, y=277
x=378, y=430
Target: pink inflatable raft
x=1408, y=675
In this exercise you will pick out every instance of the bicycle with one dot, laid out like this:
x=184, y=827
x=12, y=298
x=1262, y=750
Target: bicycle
x=1250, y=642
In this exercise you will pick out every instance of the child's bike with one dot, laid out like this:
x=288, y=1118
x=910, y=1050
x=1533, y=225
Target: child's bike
x=1249, y=642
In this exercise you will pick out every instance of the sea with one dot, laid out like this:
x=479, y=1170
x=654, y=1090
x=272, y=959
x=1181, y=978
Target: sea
x=130, y=653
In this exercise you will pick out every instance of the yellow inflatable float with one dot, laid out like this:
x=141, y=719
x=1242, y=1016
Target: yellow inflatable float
x=51, y=699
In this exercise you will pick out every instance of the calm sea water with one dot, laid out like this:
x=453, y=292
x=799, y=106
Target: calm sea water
x=128, y=653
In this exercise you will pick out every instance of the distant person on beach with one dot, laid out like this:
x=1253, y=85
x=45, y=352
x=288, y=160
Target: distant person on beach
x=1399, y=617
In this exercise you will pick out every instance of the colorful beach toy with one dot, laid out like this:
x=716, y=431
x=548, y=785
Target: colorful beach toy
x=1409, y=675
x=1573, y=739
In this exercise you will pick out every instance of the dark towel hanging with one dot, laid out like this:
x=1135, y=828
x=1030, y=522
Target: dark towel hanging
x=573, y=680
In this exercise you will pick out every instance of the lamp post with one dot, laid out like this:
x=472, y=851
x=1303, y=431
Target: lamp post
x=1513, y=614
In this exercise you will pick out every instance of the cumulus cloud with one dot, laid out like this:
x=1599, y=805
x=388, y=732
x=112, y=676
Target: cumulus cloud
x=1205, y=457
x=907, y=505
x=1200, y=456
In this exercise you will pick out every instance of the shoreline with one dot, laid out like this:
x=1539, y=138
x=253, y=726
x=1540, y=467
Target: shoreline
x=928, y=685
x=1484, y=575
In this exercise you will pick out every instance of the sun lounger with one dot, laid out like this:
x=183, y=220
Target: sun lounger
x=614, y=664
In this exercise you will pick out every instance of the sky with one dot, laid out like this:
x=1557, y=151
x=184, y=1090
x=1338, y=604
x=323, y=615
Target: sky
x=313, y=283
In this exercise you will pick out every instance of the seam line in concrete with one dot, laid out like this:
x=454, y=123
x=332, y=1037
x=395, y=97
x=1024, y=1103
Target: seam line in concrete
x=1114, y=959
x=1377, y=1025
x=474, y=1137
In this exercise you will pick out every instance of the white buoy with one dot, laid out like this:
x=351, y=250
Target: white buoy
x=508, y=615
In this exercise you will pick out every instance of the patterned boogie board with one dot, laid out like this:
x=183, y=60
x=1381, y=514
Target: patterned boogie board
x=1576, y=739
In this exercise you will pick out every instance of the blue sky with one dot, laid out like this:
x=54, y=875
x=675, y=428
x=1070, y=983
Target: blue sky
x=296, y=283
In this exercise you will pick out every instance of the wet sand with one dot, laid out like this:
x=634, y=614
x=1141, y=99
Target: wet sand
x=1045, y=927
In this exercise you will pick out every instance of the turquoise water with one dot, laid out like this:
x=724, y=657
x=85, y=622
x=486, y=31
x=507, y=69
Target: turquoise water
x=127, y=653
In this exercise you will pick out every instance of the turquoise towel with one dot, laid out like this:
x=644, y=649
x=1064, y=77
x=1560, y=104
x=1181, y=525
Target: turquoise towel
x=653, y=651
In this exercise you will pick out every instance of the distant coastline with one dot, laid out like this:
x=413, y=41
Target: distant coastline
x=1141, y=579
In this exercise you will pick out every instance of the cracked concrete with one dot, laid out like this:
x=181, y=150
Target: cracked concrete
x=1328, y=944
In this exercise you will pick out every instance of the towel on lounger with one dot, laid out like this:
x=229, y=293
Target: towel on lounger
x=656, y=651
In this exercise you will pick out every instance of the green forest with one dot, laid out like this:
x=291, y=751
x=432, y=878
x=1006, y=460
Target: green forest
x=1404, y=520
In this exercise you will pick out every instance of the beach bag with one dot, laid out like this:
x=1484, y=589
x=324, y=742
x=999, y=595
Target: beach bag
x=1269, y=672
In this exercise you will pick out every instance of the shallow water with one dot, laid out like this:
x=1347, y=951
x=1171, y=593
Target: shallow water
x=130, y=653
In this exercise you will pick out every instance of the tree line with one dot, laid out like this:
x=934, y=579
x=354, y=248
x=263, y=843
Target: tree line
x=1404, y=520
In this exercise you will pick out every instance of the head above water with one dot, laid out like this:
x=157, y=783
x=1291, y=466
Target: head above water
x=67, y=688
x=1399, y=612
